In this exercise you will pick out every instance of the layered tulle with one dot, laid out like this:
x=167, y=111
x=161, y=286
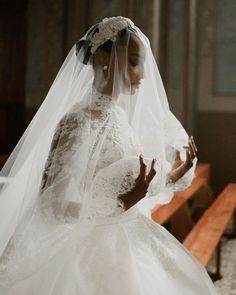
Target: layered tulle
x=129, y=254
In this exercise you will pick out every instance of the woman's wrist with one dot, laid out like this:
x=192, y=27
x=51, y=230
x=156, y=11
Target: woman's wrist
x=174, y=175
x=127, y=201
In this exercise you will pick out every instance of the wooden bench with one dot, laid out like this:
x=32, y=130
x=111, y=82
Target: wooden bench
x=203, y=170
x=204, y=200
x=177, y=212
x=161, y=213
x=206, y=235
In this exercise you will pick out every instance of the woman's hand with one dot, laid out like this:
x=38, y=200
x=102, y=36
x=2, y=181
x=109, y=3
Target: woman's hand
x=140, y=188
x=179, y=167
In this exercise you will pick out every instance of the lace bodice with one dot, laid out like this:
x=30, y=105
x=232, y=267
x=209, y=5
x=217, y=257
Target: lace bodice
x=116, y=170
x=101, y=131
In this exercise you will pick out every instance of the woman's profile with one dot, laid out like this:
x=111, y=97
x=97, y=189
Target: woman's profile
x=77, y=190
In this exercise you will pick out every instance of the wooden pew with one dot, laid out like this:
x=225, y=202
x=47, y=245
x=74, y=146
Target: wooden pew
x=177, y=212
x=203, y=200
x=203, y=170
x=161, y=213
x=206, y=235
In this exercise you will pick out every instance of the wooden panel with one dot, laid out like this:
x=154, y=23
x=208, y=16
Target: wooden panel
x=12, y=123
x=205, y=236
x=12, y=72
x=216, y=140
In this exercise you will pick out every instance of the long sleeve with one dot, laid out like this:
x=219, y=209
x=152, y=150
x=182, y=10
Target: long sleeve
x=175, y=138
x=59, y=190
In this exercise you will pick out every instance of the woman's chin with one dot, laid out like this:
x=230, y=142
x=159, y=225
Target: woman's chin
x=134, y=88
x=131, y=90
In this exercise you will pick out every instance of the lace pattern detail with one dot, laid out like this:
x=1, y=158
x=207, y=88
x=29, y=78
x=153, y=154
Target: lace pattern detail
x=100, y=101
x=58, y=175
x=115, y=180
x=59, y=180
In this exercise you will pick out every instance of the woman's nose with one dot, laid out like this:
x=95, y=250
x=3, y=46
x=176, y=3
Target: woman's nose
x=142, y=73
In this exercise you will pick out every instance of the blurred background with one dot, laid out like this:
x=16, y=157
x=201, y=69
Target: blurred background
x=193, y=41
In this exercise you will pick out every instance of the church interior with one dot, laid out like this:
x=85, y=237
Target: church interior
x=194, y=44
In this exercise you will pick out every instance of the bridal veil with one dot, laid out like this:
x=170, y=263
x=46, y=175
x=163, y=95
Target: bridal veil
x=49, y=182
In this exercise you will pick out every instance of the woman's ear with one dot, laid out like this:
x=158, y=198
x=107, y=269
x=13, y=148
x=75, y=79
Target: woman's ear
x=101, y=58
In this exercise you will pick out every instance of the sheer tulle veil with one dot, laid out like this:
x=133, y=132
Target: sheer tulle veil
x=50, y=179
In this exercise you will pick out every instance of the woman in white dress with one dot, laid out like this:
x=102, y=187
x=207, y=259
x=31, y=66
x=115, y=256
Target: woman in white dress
x=77, y=190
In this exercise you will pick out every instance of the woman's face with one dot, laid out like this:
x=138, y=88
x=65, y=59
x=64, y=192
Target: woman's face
x=131, y=64
x=135, y=67
x=125, y=67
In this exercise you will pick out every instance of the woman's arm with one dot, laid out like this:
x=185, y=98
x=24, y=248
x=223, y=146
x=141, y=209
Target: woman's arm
x=179, y=167
x=45, y=177
x=56, y=177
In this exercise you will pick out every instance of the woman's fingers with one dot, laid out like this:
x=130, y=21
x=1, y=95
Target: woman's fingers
x=192, y=146
x=189, y=158
x=142, y=173
x=152, y=171
x=144, y=180
x=189, y=151
x=177, y=156
x=193, y=143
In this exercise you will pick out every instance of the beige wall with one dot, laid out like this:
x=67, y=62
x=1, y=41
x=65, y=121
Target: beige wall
x=200, y=78
x=216, y=108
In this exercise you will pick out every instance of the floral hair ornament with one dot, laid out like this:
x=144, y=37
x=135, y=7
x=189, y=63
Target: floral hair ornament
x=108, y=30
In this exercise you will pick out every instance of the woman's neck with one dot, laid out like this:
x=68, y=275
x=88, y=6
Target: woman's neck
x=105, y=88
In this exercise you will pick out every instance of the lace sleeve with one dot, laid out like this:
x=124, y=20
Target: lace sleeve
x=175, y=138
x=59, y=189
x=111, y=182
x=46, y=173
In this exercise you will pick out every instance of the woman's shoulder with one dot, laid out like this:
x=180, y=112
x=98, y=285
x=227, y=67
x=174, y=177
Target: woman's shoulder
x=75, y=117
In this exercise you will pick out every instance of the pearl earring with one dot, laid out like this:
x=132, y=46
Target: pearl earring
x=105, y=68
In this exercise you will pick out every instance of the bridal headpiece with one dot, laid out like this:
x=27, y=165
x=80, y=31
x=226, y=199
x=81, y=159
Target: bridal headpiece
x=108, y=29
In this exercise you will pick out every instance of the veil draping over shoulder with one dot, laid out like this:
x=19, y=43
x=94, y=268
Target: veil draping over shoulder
x=55, y=180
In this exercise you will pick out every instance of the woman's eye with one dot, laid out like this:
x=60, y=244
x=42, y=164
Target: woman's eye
x=134, y=62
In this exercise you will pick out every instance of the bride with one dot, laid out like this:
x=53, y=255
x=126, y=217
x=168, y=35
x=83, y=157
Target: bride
x=77, y=190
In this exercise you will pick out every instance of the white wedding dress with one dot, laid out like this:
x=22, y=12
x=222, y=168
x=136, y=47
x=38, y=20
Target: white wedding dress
x=123, y=253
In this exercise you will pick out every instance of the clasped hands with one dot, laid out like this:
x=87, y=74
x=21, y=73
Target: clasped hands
x=142, y=182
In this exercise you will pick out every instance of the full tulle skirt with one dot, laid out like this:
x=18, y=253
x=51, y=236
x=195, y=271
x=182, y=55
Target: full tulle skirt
x=128, y=255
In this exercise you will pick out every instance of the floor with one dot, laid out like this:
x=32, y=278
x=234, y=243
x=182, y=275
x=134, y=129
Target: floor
x=227, y=285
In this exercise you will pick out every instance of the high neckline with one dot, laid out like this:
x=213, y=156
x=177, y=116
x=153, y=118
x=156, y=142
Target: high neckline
x=101, y=101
